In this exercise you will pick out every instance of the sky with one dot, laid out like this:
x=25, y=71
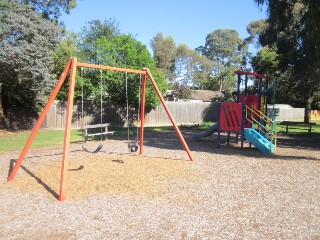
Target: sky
x=187, y=21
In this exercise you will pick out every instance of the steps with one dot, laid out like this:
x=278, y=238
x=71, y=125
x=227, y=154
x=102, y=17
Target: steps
x=259, y=141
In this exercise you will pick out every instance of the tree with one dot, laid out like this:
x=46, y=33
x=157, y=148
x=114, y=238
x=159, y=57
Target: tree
x=191, y=68
x=164, y=54
x=255, y=29
x=66, y=49
x=266, y=61
x=51, y=8
x=94, y=30
x=126, y=52
x=27, y=43
x=228, y=52
x=294, y=28
x=183, y=67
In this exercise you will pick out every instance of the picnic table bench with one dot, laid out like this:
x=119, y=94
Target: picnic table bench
x=103, y=127
x=307, y=126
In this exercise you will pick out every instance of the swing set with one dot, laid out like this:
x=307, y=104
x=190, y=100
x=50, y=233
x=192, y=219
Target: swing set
x=72, y=66
x=132, y=145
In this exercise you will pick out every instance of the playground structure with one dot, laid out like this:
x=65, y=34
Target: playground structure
x=248, y=116
x=71, y=67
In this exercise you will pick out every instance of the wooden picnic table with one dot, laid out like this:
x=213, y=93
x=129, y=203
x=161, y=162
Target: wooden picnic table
x=103, y=127
x=292, y=124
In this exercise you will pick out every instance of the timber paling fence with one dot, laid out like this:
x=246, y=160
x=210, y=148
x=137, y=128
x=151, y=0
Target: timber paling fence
x=182, y=112
x=295, y=114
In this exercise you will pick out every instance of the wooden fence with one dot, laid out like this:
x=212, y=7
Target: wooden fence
x=294, y=114
x=182, y=112
x=315, y=114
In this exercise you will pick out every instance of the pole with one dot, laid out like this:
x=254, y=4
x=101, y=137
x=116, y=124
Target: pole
x=142, y=111
x=40, y=121
x=238, y=88
x=66, y=145
x=186, y=148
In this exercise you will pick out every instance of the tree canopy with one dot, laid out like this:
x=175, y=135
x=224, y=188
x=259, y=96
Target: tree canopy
x=209, y=67
x=27, y=43
x=164, y=54
x=294, y=29
x=91, y=32
x=34, y=49
x=124, y=51
x=183, y=67
x=255, y=29
x=103, y=44
x=51, y=9
x=228, y=52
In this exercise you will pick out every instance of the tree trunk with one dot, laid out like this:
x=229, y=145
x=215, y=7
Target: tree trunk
x=2, y=117
x=1, y=105
x=307, y=110
x=221, y=85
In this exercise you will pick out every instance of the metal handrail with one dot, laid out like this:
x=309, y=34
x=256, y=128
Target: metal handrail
x=270, y=133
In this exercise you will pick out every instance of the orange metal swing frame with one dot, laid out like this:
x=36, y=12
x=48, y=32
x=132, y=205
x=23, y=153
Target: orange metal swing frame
x=72, y=67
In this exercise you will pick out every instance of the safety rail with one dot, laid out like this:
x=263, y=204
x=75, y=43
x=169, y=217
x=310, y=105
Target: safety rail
x=271, y=133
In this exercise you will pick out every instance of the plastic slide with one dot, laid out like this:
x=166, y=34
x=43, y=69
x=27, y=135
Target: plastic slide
x=259, y=141
x=206, y=133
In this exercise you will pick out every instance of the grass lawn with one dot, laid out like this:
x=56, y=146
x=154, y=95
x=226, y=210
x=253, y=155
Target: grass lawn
x=299, y=129
x=17, y=140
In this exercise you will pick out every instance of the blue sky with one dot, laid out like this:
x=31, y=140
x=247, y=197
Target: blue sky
x=187, y=21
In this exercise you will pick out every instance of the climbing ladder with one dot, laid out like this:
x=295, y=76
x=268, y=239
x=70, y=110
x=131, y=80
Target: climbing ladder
x=263, y=131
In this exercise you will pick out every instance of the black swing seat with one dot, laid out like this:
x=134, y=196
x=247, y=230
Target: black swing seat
x=94, y=151
x=104, y=131
x=133, y=146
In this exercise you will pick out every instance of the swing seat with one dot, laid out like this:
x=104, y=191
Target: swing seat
x=94, y=151
x=133, y=146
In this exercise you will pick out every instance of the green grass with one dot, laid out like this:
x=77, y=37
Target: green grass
x=123, y=132
x=45, y=138
x=17, y=140
x=299, y=129
x=206, y=125
x=280, y=128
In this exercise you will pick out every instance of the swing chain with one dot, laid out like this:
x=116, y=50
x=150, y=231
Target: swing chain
x=139, y=106
x=101, y=105
x=82, y=97
x=101, y=112
x=132, y=146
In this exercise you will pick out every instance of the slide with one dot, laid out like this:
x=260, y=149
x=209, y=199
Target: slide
x=206, y=133
x=259, y=141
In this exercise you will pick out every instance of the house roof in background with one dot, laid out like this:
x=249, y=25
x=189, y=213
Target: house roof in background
x=205, y=95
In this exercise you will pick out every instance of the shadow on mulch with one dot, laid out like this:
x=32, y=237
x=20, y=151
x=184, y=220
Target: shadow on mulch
x=39, y=180
x=169, y=140
x=307, y=140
